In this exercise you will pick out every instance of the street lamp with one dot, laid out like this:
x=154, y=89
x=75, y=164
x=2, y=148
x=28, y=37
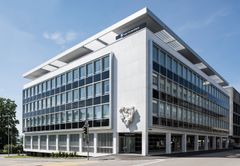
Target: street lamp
x=8, y=131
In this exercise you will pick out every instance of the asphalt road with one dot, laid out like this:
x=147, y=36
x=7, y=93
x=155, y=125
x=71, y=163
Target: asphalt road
x=226, y=158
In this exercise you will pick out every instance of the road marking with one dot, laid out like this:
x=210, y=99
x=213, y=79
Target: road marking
x=152, y=162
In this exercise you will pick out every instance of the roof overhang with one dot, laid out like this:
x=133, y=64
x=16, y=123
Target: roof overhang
x=108, y=36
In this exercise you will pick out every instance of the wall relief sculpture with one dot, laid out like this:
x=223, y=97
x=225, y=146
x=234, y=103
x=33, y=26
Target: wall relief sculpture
x=127, y=115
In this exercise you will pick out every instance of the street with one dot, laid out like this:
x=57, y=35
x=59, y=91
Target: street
x=226, y=158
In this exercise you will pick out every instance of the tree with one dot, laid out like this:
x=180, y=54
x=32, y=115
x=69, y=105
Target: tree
x=8, y=122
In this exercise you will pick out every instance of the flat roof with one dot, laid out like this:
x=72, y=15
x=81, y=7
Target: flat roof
x=108, y=36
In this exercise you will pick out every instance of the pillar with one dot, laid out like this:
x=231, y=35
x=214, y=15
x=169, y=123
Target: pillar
x=115, y=142
x=39, y=143
x=56, y=142
x=95, y=143
x=196, y=143
x=214, y=142
x=31, y=145
x=47, y=143
x=184, y=143
x=206, y=143
x=220, y=143
x=144, y=143
x=80, y=143
x=68, y=142
x=168, y=143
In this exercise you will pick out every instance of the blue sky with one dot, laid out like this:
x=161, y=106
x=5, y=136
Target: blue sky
x=31, y=32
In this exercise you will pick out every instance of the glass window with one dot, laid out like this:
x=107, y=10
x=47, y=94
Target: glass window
x=98, y=89
x=39, y=89
x=69, y=116
x=169, y=62
x=82, y=114
x=184, y=72
x=44, y=87
x=89, y=69
x=97, y=112
x=90, y=113
x=174, y=112
x=162, y=84
x=105, y=63
x=58, y=100
x=105, y=111
x=180, y=68
x=53, y=101
x=48, y=85
x=155, y=53
x=174, y=66
x=174, y=89
x=52, y=120
x=179, y=114
x=82, y=71
x=189, y=75
x=82, y=93
x=47, y=120
x=168, y=86
x=63, y=79
x=69, y=96
x=63, y=117
x=76, y=95
x=75, y=116
x=162, y=109
x=105, y=87
x=155, y=81
x=155, y=108
x=53, y=83
x=89, y=91
x=168, y=111
x=58, y=81
x=75, y=74
x=57, y=118
x=162, y=58
x=63, y=98
x=69, y=77
x=97, y=66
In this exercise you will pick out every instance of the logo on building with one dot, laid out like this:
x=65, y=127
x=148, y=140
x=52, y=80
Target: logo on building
x=127, y=115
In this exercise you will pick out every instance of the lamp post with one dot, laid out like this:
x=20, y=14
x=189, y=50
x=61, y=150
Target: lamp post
x=8, y=131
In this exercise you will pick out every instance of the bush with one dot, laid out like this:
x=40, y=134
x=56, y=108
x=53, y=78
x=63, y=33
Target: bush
x=13, y=148
x=75, y=154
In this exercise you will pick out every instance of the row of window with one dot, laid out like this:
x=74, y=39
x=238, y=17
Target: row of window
x=174, y=89
x=77, y=115
x=171, y=111
x=81, y=72
x=82, y=93
x=104, y=142
x=161, y=57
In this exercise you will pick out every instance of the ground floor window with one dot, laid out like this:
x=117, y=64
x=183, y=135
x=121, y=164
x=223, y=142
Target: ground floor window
x=157, y=143
x=62, y=142
x=176, y=143
x=74, y=142
x=130, y=143
x=52, y=142
x=91, y=143
x=27, y=142
x=35, y=142
x=201, y=143
x=104, y=143
x=43, y=142
x=190, y=143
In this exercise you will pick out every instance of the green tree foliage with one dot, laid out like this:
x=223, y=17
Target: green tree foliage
x=8, y=120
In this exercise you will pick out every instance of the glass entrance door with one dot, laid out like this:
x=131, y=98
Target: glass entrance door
x=129, y=143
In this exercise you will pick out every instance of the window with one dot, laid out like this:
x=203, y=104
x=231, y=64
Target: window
x=74, y=142
x=155, y=108
x=63, y=117
x=39, y=89
x=155, y=81
x=82, y=71
x=89, y=69
x=62, y=142
x=69, y=116
x=174, y=112
x=52, y=142
x=53, y=101
x=44, y=87
x=58, y=81
x=174, y=89
x=155, y=54
x=48, y=85
x=105, y=87
x=53, y=83
x=162, y=58
x=82, y=93
x=97, y=66
x=162, y=84
x=69, y=77
x=63, y=98
x=105, y=63
x=174, y=66
x=47, y=119
x=179, y=114
x=75, y=95
x=104, y=142
x=169, y=62
x=97, y=112
x=58, y=100
x=82, y=114
x=168, y=111
x=184, y=72
x=63, y=79
x=75, y=116
x=180, y=68
x=105, y=111
x=98, y=89
x=90, y=113
x=89, y=91
x=168, y=86
x=75, y=74
x=52, y=119
x=69, y=96
x=57, y=118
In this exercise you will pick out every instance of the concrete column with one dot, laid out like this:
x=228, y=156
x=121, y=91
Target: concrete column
x=24, y=142
x=206, y=143
x=115, y=142
x=227, y=144
x=39, y=142
x=31, y=142
x=144, y=143
x=168, y=143
x=95, y=142
x=80, y=143
x=214, y=142
x=56, y=142
x=47, y=143
x=184, y=143
x=196, y=143
x=221, y=143
x=68, y=142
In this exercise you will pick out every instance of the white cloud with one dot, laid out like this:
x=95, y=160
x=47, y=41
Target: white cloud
x=205, y=22
x=60, y=38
